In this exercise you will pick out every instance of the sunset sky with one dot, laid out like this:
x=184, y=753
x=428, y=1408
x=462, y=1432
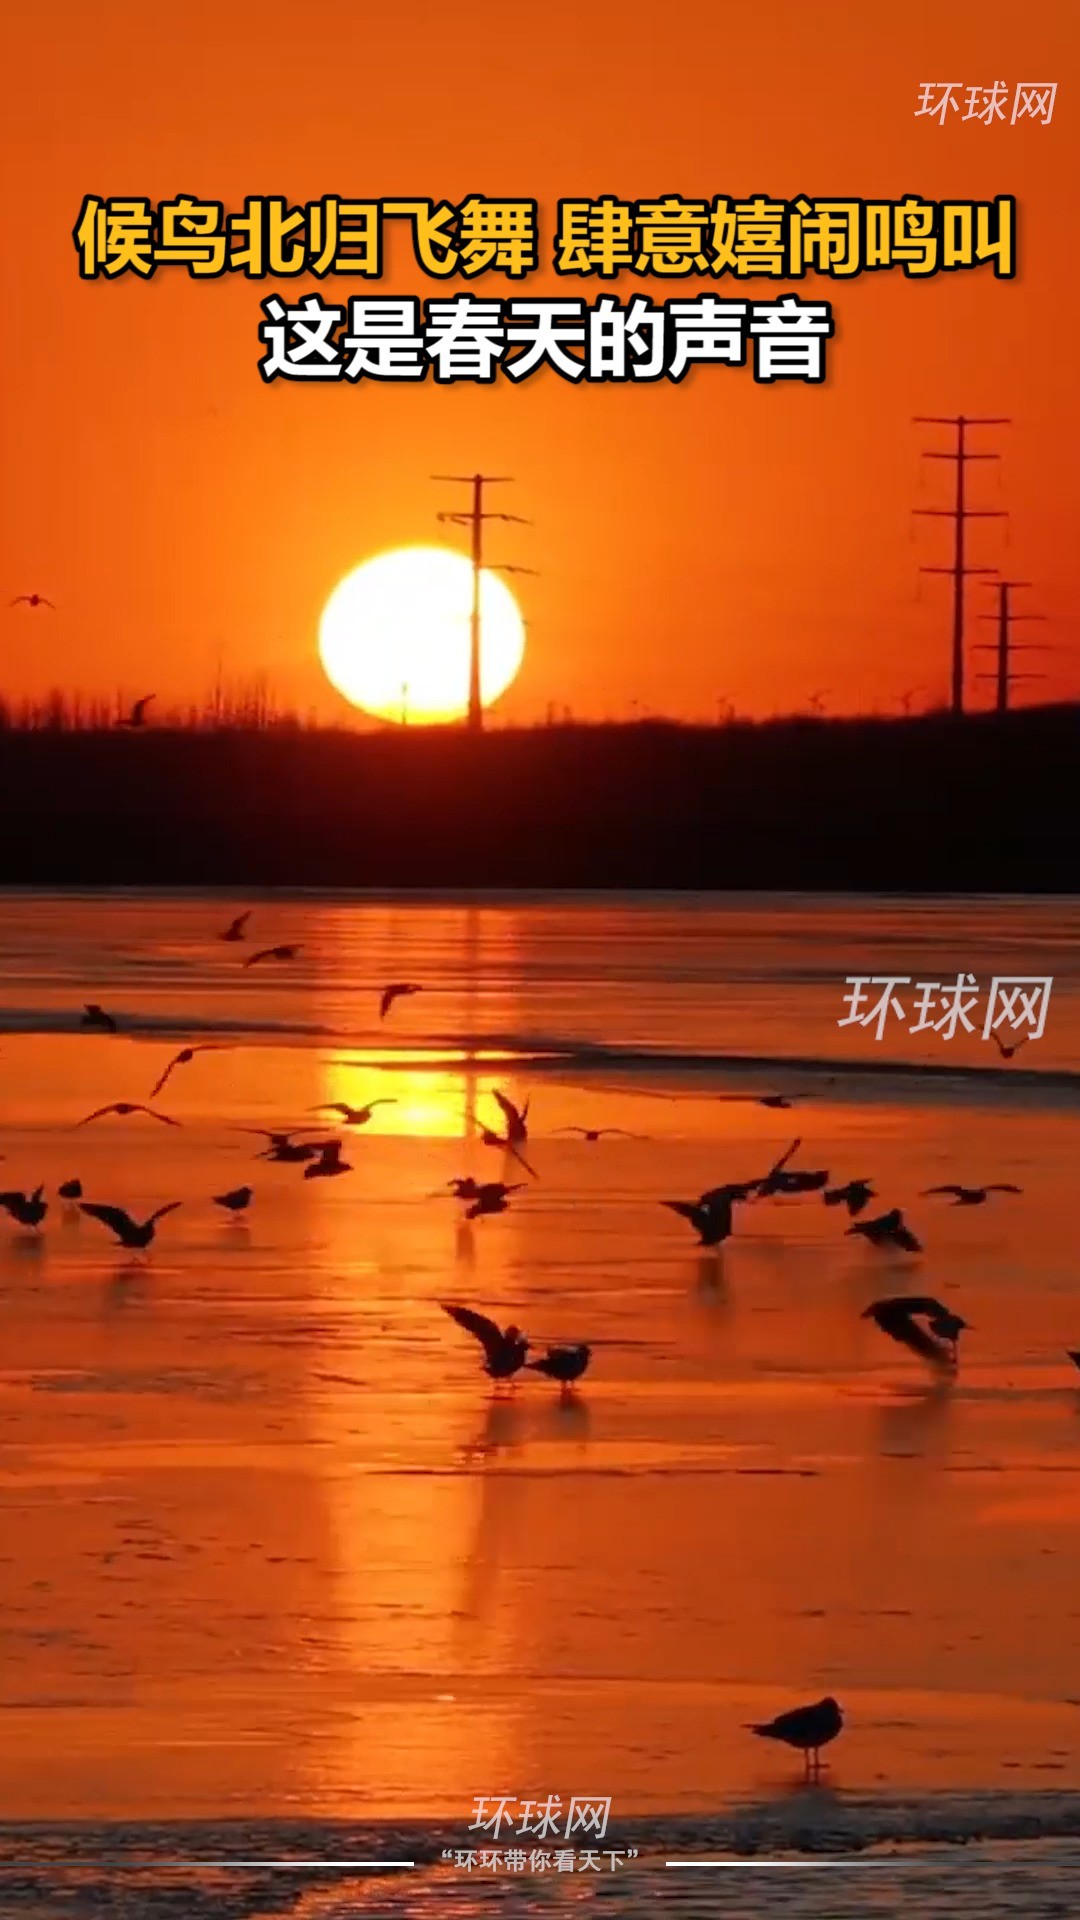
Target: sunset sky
x=711, y=540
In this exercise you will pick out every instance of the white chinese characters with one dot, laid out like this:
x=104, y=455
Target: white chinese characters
x=1030, y=100
x=1016, y=1003
x=550, y=1819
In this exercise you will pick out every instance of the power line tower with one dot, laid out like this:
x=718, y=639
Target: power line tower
x=1004, y=646
x=960, y=513
x=474, y=517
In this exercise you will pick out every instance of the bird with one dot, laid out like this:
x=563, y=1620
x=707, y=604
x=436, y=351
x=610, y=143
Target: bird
x=771, y=1182
x=129, y=1232
x=517, y=1118
x=282, y=1145
x=70, y=1190
x=235, y=928
x=806, y=1728
x=28, y=1209
x=798, y=1182
x=593, y=1134
x=731, y=1190
x=504, y=1348
x=489, y=1138
x=490, y=1196
x=1007, y=1052
x=774, y=1100
x=899, y=1316
x=272, y=953
x=564, y=1364
x=712, y=1223
x=397, y=990
x=888, y=1230
x=125, y=1107
x=183, y=1059
x=974, y=1196
x=354, y=1116
x=328, y=1163
x=33, y=600
x=237, y=1200
x=854, y=1196
x=94, y=1019
x=137, y=715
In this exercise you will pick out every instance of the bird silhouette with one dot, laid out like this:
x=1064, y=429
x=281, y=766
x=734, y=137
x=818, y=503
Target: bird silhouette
x=328, y=1163
x=124, y=1108
x=504, y=1348
x=592, y=1134
x=70, y=1190
x=237, y=1200
x=490, y=1196
x=854, y=1195
x=1005, y=1051
x=33, y=600
x=898, y=1317
x=888, y=1230
x=517, y=1118
x=564, y=1364
x=974, y=1196
x=712, y=1223
x=183, y=1059
x=272, y=953
x=806, y=1728
x=236, y=928
x=354, y=1116
x=283, y=1147
x=129, y=1232
x=94, y=1019
x=28, y=1209
x=397, y=990
x=136, y=716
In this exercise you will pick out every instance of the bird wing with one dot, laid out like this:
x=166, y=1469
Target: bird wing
x=160, y=1212
x=113, y=1217
x=98, y=1114
x=141, y=705
x=156, y=1089
x=8, y=1200
x=686, y=1210
x=486, y=1331
x=946, y=1189
x=1003, y=1186
x=584, y=1130
x=236, y=927
x=384, y=1100
x=511, y=1113
x=904, y=1237
x=165, y=1118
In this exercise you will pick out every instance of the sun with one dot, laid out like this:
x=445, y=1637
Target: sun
x=394, y=635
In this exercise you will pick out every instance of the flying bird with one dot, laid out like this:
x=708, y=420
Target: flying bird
x=28, y=1209
x=354, y=1116
x=504, y=1348
x=974, y=1196
x=137, y=716
x=282, y=1146
x=899, y=1317
x=564, y=1364
x=129, y=1232
x=771, y=1182
x=237, y=1200
x=397, y=990
x=183, y=1059
x=70, y=1190
x=125, y=1107
x=888, y=1230
x=490, y=1196
x=328, y=1163
x=272, y=953
x=1007, y=1052
x=489, y=1138
x=95, y=1019
x=774, y=1100
x=711, y=1223
x=235, y=928
x=854, y=1196
x=599, y=1133
x=806, y=1728
x=33, y=600
x=798, y=1182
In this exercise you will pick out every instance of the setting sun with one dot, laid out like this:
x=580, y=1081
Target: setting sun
x=394, y=635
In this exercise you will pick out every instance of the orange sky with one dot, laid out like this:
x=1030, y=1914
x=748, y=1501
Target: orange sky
x=711, y=539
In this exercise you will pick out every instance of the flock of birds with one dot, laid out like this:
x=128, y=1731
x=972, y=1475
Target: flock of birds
x=918, y=1322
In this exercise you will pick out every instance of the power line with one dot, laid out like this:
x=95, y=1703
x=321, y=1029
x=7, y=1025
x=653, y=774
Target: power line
x=959, y=513
x=474, y=518
x=1004, y=646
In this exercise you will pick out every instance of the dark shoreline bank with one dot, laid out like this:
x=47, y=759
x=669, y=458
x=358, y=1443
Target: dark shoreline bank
x=986, y=804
